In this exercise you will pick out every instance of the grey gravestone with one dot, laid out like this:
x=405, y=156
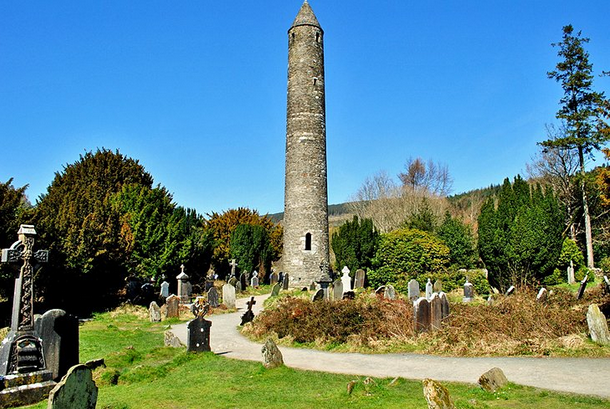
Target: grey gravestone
x=571, y=279
x=238, y=287
x=337, y=290
x=421, y=314
x=436, y=311
x=493, y=380
x=346, y=279
x=76, y=390
x=318, y=296
x=154, y=312
x=164, y=289
x=542, y=294
x=413, y=290
x=510, y=290
x=275, y=291
x=445, y=309
x=184, y=287
x=208, y=284
x=228, y=296
x=59, y=334
x=233, y=281
x=359, y=279
x=438, y=286
x=598, y=325
x=583, y=286
x=173, y=307
x=272, y=357
x=254, y=282
x=213, y=298
x=233, y=265
x=389, y=293
x=171, y=340
x=437, y=395
x=429, y=289
x=249, y=314
x=198, y=335
x=468, y=291
x=286, y=281
x=274, y=278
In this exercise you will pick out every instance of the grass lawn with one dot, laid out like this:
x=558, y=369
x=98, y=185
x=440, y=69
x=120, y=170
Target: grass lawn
x=142, y=374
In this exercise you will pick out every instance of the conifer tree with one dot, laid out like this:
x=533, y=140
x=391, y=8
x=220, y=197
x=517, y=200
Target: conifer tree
x=355, y=244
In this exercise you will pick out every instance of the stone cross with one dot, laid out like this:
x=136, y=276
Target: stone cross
x=233, y=265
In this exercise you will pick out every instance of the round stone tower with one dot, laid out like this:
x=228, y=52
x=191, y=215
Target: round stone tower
x=305, y=198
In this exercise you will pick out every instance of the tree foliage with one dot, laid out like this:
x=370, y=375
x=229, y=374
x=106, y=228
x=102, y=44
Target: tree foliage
x=355, y=244
x=603, y=181
x=428, y=176
x=460, y=240
x=251, y=246
x=520, y=234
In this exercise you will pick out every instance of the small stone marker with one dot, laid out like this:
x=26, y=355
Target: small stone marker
x=437, y=395
x=359, y=279
x=438, y=286
x=275, y=291
x=337, y=290
x=598, y=325
x=198, y=335
x=318, y=295
x=421, y=314
x=429, y=289
x=571, y=279
x=213, y=297
x=154, y=312
x=389, y=293
x=583, y=286
x=164, y=289
x=542, y=294
x=228, y=296
x=346, y=279
x=249, y=314
x=413, y=290
x=59, y=334
x=173, y=307
x=493, y=380
x=272, y=357
x=510, y=291
x=286, y=282
x=76, y=390
x=171, y=340
x=468, y=292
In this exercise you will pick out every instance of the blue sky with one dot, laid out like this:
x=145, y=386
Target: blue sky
x=196, y=90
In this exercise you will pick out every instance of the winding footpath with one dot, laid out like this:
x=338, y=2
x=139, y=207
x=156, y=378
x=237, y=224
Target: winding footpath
x=587, y=376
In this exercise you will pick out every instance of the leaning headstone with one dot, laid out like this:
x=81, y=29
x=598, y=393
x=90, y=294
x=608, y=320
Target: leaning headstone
x=154, y=312
x=583, y=286
x=164, y=289
x=171, y=340
x=598, y=325
x=285, y=282
x=429, y=289
x=318, y=296
x=389, y=293
x=59, y=334
x=249, y=314
x=421, y=314
x=76, y=390
x=173, y=307
x=337, y=290
x=213, y=297
x=542, y=295
x=359, y=279
x=275, y=291
x=493, y=380
x=436, y=312
x=228, y=296
x=445, y=309
x=198, y=335
x=272, y=357
x=468, y=291
x=437, y=395
x=346, y=279
x=510, y=291
x=413, y=290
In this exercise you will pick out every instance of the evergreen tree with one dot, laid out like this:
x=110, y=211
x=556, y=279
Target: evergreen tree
x=582, y=110
x=251, y=247
x=355, y=244
x=460, y=240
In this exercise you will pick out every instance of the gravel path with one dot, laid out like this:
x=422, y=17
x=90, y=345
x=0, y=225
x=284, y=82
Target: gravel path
x=588, y=376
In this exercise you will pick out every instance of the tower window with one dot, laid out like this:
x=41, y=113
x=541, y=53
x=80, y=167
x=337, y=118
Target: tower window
x=317, y=37
x=315, y=81
x=308, y=241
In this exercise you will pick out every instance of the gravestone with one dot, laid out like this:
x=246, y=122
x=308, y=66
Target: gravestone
x=232, y=281
x=147, y=294
x=421, y=314
x=437, y=395
x=243, y=280
x=213, y=298
x=254, y=281
x=164, y=293
x=198, y=335
x=606, y=289
x=171, y=340
x=238, y=287
x=275, y=291
x=324, y=279
x=438, y=286
x=337, y=290
x=173, y=307
x=380, y=291
x=312, y=286
x=542, y=295
x=233, y=265
x=598, y=325
x=154, y=312
x=59, y=334
x=228, y=296
x=436, y=312
x=274, y=278
x=272, y=357
x=208, y=284
x=429, y=289
x=280, y=277
x=583, y=286
x=359, y=279
x=76, y=390
x=318, y=295
x=571, y=279
x=286, y=281
x=493, y=380
x=389, y=293
x=510, y=291
x=184, y=286
x=413, y=290
x=445, y=309
x=468, y=292
x=249, y=314
x=346, y=279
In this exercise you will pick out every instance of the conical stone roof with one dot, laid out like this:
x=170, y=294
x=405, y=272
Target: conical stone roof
x=306, y=17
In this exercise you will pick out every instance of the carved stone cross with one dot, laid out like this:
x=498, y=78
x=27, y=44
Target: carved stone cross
x=233, y=265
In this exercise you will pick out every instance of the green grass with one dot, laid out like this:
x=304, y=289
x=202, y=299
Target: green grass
x=141, y=373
